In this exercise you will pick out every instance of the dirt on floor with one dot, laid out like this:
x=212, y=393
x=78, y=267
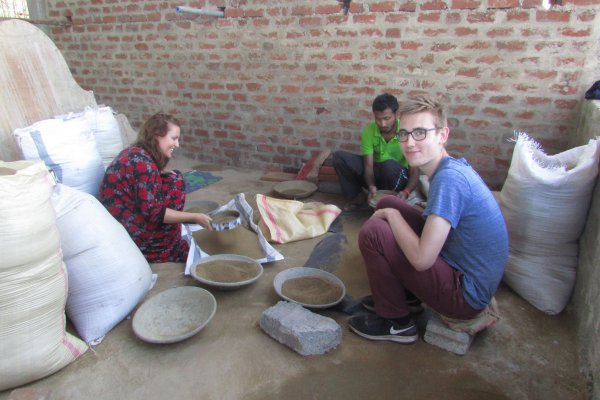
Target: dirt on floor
x=527, y=355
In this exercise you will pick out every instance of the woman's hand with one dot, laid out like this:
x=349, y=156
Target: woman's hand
x=203, y=220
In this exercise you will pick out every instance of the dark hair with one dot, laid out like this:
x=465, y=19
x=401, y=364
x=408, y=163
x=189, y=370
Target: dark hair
x=425, y=104
x=154, y=127
x=385, y=101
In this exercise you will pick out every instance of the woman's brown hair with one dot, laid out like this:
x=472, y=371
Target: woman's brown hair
x=154, y=127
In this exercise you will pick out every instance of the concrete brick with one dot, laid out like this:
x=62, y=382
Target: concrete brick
x=302, y=330
x=438, y=334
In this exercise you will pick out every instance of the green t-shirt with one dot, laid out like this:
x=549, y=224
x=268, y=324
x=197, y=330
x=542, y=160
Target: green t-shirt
x=373, y=143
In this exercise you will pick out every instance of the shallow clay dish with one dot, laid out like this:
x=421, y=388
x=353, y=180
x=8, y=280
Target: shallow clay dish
x=174, y=314
x=303, y=272
x=201, y=206
x=225, y=220
x=379, y=195
x=227, y=271
x=297, y=189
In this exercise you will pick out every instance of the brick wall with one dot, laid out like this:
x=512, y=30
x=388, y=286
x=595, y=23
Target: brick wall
x=276, y=81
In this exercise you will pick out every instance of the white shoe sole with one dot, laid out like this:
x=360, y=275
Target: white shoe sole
x=390, y=338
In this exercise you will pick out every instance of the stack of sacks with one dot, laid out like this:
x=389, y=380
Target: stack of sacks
x=545, y=201
x=33, y=279
x=108, y=274
x=77, y=148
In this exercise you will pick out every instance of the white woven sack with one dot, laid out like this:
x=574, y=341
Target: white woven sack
x=33, y=279
x=68, y=148
x=105, y=126
x=545, y=201
x=108, y=275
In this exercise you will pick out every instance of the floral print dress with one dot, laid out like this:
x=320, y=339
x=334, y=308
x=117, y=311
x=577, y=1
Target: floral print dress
x=135, y=192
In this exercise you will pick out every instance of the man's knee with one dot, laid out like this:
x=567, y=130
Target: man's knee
x=337, y=158
x=370, y=229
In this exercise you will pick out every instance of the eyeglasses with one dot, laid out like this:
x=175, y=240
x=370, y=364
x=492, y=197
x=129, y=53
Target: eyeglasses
x=417, y=134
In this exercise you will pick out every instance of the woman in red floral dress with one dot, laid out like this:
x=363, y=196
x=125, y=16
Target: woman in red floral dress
x=148, y=199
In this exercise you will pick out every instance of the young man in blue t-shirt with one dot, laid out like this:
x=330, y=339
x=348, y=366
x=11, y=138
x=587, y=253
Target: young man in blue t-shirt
x=452, y=256
x=381, y=164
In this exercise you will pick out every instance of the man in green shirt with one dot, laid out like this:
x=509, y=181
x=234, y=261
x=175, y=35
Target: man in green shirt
x=382, y=164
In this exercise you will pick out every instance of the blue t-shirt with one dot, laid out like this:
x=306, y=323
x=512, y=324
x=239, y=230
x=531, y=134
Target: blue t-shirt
x=477, y=244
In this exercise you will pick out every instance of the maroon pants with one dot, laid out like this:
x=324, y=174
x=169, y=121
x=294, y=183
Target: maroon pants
x=391, y=274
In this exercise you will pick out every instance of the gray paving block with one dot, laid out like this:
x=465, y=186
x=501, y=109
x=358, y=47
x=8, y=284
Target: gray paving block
x=438, y=334
x=302, y=330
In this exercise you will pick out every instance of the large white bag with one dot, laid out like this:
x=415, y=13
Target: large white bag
x=33, y=279
x=545, y=201
x=102, y=122
x=108, y=274
x=68, y=148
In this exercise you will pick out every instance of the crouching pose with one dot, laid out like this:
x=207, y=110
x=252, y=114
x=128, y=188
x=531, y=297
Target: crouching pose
x=451, y=256
x=146, y=197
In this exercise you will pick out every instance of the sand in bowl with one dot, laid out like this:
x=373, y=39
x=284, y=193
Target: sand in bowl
x=311, y=290
x=226, y=271
x=225, y=217
x=293, y=193
x=240, y=240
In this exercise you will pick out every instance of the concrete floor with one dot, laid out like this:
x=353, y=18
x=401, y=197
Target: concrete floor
x=527, y=355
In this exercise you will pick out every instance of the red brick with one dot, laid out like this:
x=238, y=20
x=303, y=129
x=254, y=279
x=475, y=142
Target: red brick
x=342, y=56
x=500, y=32
x=440, y=47
x=465, y=4
x=552, y=16
x=525, y=115
x=494, y=111
x=328, y=9
x=363, y=19
x=480, y=17
x=429, y=17
x=396, y=18
x=386, y=6
x=503, y=3
x=302, y=11
x=541, y=74
x=536, y=101
x=469, y=72
x=465, y=31
x=518, y=16
x=566, y=104
x=512, y=46
x=570, y=32
x=435, y=32
x=252, y=13
x=587, y=16
x=433, y=5
x=462, y=110
x=410, y=45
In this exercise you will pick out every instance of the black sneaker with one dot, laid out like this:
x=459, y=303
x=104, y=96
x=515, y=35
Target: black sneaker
x=373, y=327
x=414, y=305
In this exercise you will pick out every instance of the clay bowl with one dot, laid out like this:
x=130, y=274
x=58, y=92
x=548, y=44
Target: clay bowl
x=313, y=279
x=379, y=195
x=227, y=271
x=225, y=220
x=297, y=189
x=174, y=314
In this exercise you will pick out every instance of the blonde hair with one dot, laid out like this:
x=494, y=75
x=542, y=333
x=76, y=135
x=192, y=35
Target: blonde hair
x=419, y=104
